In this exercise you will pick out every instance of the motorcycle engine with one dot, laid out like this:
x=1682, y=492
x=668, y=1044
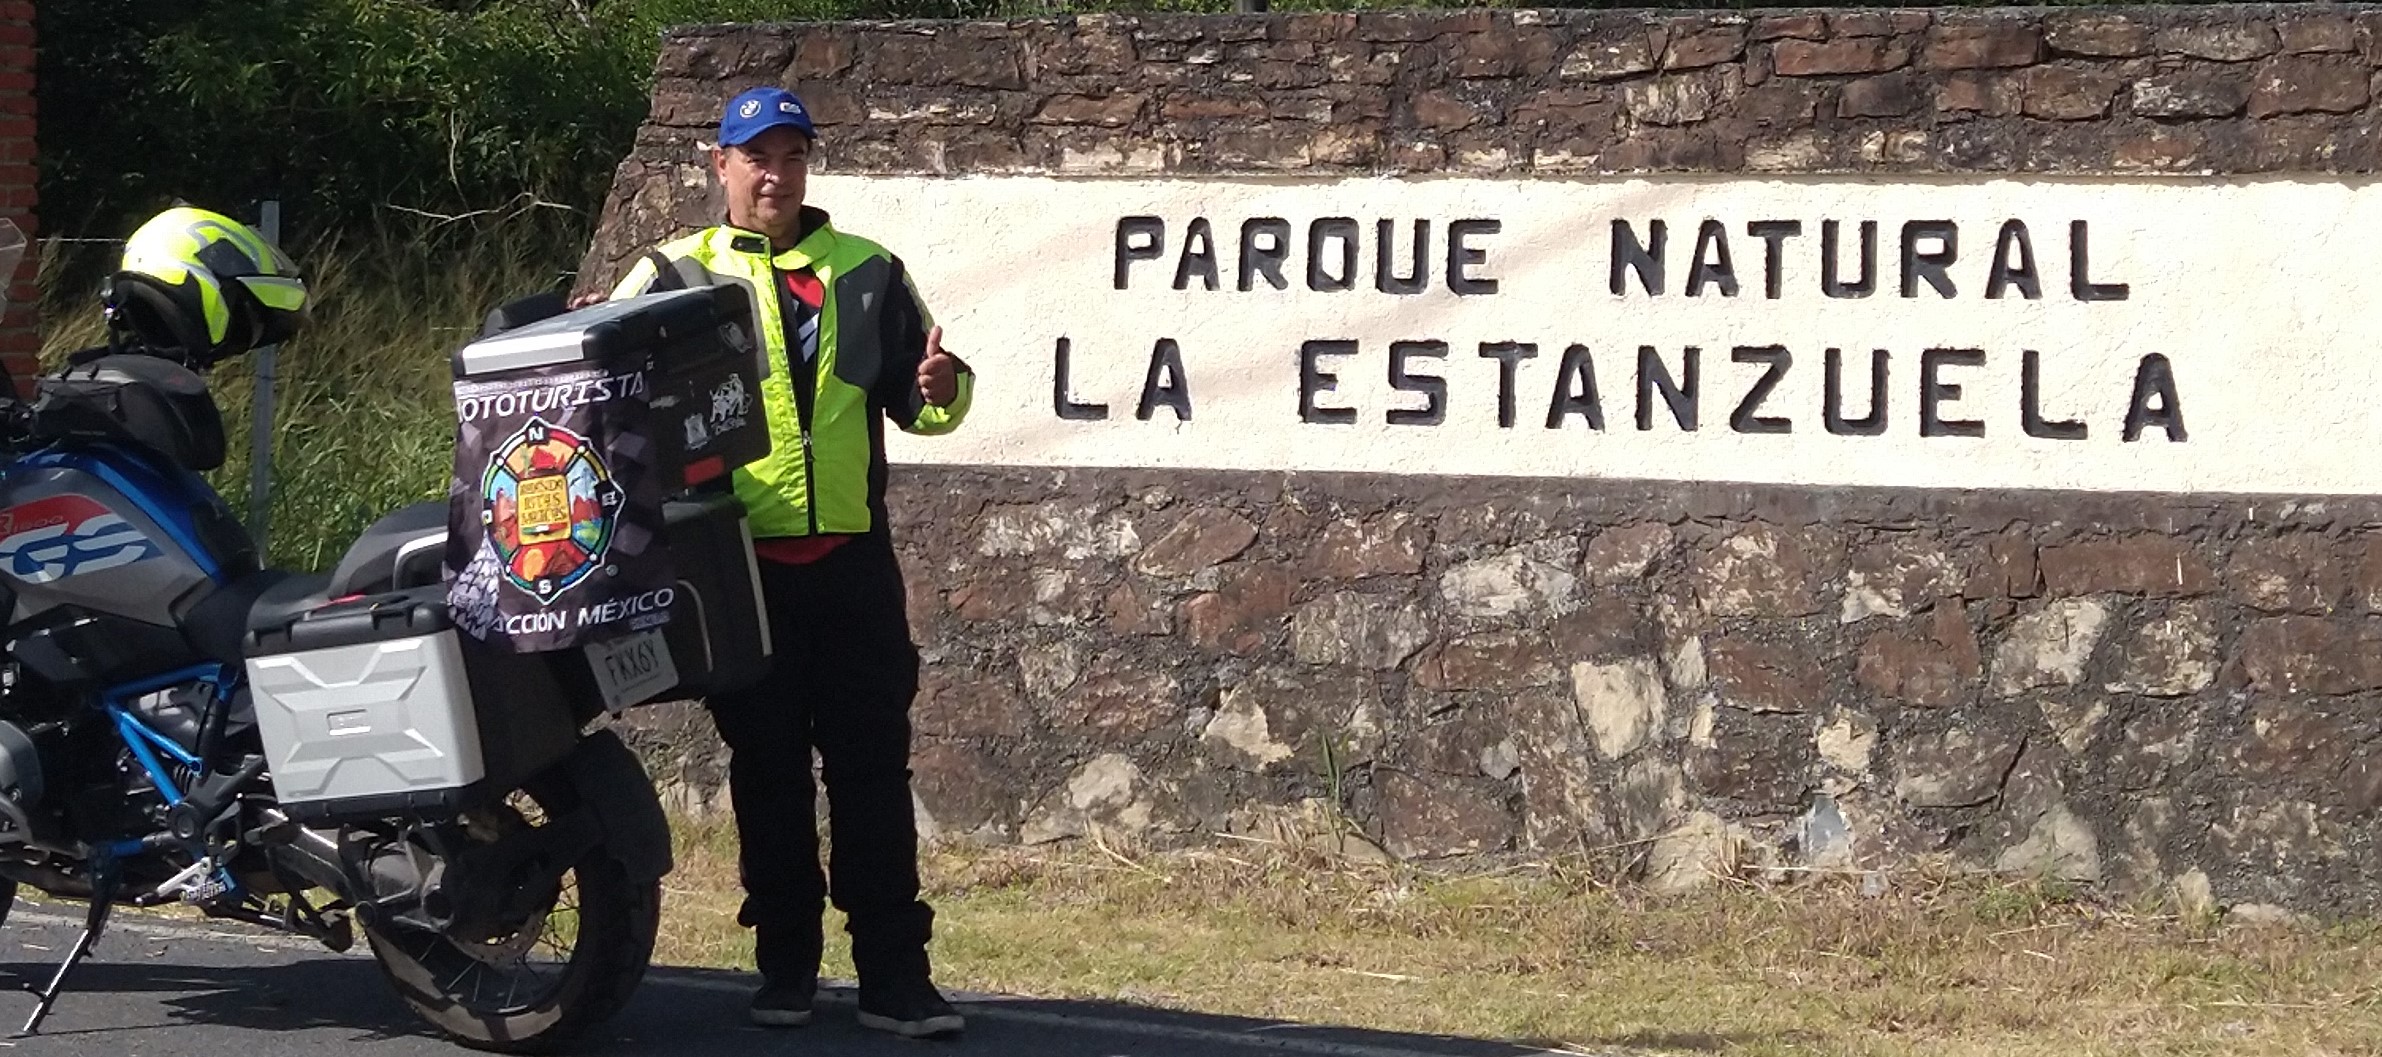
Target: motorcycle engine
x=178, y=712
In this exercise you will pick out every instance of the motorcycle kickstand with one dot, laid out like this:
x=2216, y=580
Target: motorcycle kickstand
x=102, y=900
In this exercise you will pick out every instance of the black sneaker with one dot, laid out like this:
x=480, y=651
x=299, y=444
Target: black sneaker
x=912, y=1009
x=786, y=1005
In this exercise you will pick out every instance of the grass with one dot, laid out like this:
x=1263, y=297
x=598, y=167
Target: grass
x=1939, y=964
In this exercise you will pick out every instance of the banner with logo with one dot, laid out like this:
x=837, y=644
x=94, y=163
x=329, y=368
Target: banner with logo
x=554, y=514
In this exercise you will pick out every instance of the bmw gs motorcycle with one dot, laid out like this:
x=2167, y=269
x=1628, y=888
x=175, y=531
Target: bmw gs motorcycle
x=512, y=907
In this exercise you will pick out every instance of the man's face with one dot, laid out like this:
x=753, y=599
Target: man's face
x=764, y=178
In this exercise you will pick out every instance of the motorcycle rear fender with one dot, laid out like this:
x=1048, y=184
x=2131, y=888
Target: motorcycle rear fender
x=608, y=779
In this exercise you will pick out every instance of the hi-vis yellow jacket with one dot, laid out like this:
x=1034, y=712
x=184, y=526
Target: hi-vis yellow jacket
x=825, y=471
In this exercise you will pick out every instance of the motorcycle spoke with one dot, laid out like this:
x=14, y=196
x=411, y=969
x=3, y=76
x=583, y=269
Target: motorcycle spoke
x=511, y=971
x=469, y=964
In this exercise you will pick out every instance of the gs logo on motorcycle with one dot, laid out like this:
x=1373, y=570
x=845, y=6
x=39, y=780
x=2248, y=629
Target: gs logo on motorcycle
x=549, y=505
x=68, y=535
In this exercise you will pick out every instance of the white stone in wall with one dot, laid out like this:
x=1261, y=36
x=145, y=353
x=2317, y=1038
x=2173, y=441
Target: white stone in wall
x=1528, y=581
x=2048, y=647
x=1622, y=703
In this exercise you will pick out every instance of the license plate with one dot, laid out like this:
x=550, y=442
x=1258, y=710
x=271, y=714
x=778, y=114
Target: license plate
x=632, y=669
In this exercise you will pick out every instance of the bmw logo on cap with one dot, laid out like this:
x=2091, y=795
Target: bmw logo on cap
x=750, y=107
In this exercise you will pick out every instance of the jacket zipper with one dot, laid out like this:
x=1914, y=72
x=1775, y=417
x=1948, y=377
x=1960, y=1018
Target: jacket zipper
x=803, y=378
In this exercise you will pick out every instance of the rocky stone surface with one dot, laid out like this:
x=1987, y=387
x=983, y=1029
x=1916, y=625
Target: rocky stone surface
x=2169, y=656
x=2217, y=88
x=2169, y=694
x=1536, y=580
x=1934, y=664
x=2049, y=647
x=1622, y=703
x=2027, y=680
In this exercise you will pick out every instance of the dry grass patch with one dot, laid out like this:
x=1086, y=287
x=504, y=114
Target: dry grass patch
x=1936, y=964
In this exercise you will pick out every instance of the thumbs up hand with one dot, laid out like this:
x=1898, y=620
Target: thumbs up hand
x=938, y=373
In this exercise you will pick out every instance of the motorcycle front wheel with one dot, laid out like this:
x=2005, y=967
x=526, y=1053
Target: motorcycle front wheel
x=544, y=984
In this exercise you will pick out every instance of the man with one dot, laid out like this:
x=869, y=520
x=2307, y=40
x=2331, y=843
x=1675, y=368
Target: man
x=849, y=347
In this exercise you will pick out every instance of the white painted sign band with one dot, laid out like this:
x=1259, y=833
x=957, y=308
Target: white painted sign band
x=2173, y=336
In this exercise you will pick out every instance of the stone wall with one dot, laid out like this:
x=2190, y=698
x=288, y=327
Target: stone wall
x=20, y=337
x=2139, y=690
x=2197, y=89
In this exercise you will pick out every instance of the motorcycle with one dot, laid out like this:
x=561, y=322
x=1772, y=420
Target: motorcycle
x=506, y=870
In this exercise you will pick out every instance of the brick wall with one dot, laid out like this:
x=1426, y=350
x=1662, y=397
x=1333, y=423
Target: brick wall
x=2146, y=691
x=20, y=335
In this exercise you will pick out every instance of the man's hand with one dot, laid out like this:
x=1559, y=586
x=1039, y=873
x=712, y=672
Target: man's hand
x=938, y=373
x=586, y=299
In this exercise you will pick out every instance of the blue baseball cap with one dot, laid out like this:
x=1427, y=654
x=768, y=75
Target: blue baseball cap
x=757, y=110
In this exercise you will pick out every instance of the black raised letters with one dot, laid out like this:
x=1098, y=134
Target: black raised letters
x=1778, y=359
x=1061, y=401
x=1313, y=379
x=1339, y=229
x=2019, y=273
x=1829, y=282
x=1149, y=231
x=1774, y=234
x=1680, y=396
x=1509, y=356
x=1929, y=255
x=1712, y=264
x=2154, y=379
x=1266, y=260
x=1575, y=391
x=2030, y=403
x=1419, y=272
x=1461, y=257
x=1869, y=425
x=1166, y=383
x=1433, y=387
x=1199, y=256
x=1643, y=258
x=2080, y=282
x=1935, y=265
x=1934, y=393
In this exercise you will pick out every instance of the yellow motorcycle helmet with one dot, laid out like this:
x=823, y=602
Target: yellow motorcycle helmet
x=200, y=287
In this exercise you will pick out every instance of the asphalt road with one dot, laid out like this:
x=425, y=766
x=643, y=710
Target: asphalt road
x=158, y=988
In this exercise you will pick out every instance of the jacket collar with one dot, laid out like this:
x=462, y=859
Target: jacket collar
x=818, y=240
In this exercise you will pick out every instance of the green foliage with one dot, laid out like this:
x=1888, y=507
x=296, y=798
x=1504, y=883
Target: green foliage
x=353, y=112
x=364, y=422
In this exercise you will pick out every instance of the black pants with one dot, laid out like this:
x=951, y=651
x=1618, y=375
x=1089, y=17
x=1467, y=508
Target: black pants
x=843, y=678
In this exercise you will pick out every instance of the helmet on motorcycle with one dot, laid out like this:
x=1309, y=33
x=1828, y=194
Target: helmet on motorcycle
x=201, y=286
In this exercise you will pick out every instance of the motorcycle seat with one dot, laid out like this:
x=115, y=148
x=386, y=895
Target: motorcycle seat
x=406, y=548
x=292, y=596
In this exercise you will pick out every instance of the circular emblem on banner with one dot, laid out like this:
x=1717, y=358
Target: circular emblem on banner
x=549, y=504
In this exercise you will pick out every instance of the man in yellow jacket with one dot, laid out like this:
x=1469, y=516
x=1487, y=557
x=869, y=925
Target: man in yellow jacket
x=849, y=348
